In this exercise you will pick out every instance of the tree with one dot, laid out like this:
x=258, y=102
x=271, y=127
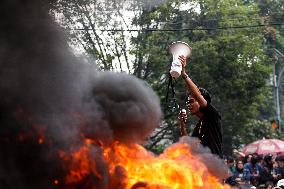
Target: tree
x=228, y=59
x=92, y=28
x=272, y=16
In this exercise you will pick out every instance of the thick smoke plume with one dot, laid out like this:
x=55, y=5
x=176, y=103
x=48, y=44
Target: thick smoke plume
x=215, y=165
x=50, y=102
x=49, y=99
x=128, y=108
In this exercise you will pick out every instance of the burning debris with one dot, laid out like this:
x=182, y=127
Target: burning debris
x=63, y=124
x=131, y=166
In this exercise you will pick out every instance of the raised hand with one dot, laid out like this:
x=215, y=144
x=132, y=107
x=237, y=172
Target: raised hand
x=182, y=60
x=182, y=120
x=182, y=116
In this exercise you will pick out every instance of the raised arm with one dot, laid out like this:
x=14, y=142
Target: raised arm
x=190, y=84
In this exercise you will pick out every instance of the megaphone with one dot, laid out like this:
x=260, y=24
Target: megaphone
x=177, y=49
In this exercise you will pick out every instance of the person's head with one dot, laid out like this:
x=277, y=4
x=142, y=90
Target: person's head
x=280, y=160
x=240, y=165
x=268, y=160
x=193, y=105
x=261, y=186
x=248, y=158
x=254, y=159
x=230, y=161
x=269, y=185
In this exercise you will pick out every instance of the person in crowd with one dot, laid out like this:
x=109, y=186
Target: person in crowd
x=247, y=158
x=278, y=168
x=241, y=175
x=265, y=174
x=230, y=162
x=208, y=129
x=269, y=185
x=261, y=186
x=254, y=169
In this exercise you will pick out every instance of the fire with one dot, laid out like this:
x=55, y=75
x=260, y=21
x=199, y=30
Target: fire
x=30, y=130
x=176, y=168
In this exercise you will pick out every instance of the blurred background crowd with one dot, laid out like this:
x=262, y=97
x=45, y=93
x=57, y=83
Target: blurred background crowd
x=255, y=171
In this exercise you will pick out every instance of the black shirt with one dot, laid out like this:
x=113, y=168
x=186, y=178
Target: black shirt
x=208, y=129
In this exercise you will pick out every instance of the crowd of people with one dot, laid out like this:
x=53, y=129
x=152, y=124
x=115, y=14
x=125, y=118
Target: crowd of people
x=256, y=171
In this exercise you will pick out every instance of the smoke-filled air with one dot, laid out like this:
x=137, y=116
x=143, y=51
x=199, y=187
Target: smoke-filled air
x=64, y=124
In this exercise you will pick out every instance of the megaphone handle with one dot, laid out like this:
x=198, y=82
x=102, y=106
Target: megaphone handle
x=170, y=84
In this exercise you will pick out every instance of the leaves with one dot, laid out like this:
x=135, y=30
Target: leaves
x=228, y=58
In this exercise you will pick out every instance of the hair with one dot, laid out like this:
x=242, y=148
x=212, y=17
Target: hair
x=267, y=158
x=237, y=167
x=206, y=95
x=230, y=159
x=246, y=158
x=254, y=159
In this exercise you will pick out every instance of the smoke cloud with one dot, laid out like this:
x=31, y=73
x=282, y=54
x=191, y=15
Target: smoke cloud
x=214, y=164
x=50, y=98
x=129, y=108
x=50, y=101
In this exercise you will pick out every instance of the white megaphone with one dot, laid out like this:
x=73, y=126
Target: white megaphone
x=177, y=49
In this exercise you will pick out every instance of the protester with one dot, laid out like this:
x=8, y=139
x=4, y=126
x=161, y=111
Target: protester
x=261, y=173
x=265, y=174
x=208, y=128
x=250, y=171
x=278, y=169
x=241, y=175
x=254, y=169
x=231, y=164
x=247, y=158
x=269, y=185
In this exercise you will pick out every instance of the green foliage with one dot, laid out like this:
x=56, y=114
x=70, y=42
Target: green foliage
x=256, y=130
x=90, y=24
x=158, y=149
x=230, y=63
x=230, y=57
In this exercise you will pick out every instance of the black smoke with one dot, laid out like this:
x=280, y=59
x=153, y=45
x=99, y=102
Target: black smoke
x=214, y=164
x=45, y=90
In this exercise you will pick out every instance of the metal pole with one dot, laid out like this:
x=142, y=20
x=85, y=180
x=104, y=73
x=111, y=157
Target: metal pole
x=278, y=52
x=278, y=106
x=276, y=94
x=277, y=82
x=278, y=99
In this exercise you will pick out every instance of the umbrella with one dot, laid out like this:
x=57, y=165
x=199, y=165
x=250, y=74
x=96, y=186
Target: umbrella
x=265, y=146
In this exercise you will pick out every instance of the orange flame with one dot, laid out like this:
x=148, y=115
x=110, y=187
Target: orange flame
x=176, y=168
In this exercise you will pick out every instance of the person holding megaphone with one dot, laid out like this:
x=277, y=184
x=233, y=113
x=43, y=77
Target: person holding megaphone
x=208, y=128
